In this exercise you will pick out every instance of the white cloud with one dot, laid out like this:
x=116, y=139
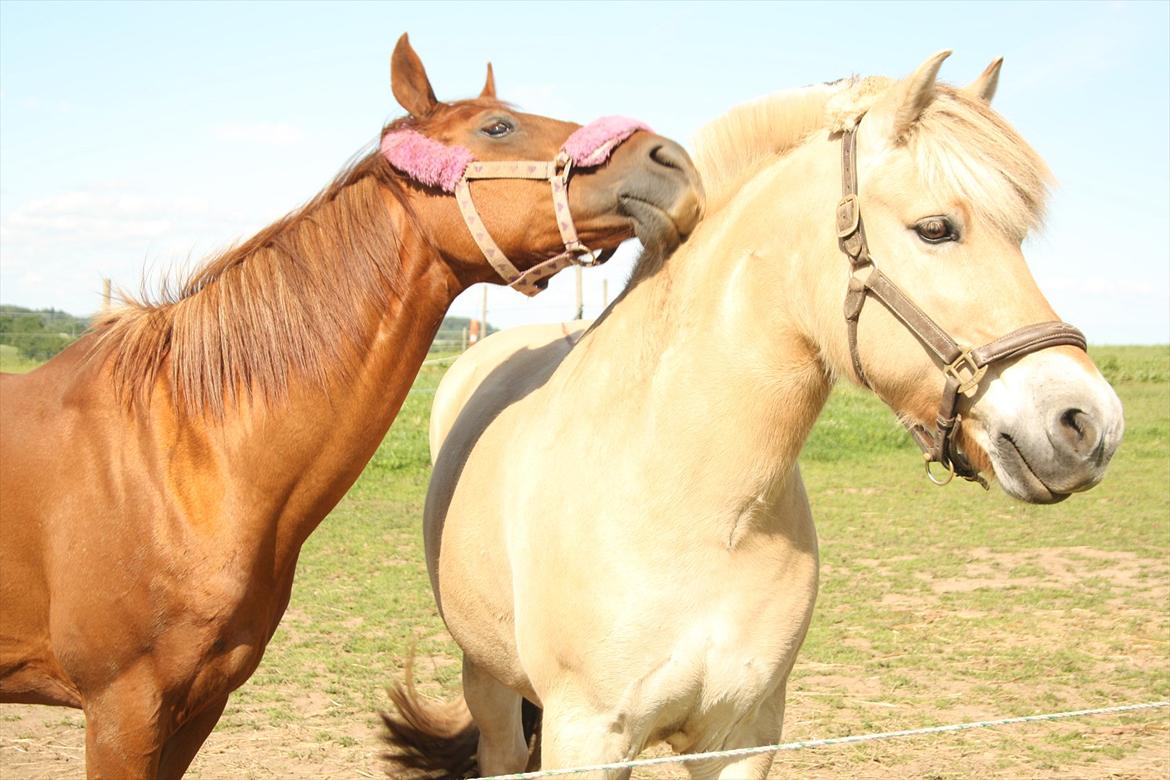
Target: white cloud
x=84, y=217
x=55, y=250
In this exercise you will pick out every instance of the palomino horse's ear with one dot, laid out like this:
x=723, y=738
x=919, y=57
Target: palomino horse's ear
x=489, y=86
x=408, y=80
x=901, y=106
x=984, y=86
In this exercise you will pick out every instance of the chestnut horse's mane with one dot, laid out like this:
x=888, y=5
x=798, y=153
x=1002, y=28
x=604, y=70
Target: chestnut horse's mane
x=293, y=300
x=278, y=302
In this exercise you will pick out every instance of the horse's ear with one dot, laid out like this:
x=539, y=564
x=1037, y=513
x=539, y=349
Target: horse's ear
x=408, y=80
x=901, y=106
x=984, y=86
x=489, y=86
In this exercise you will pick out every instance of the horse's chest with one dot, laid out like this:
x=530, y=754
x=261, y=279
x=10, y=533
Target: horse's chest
x=730, y=653
x=738, y=658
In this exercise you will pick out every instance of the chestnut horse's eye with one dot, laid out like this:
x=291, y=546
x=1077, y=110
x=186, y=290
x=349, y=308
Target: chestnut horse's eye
x=935, y=230
x=497, y=128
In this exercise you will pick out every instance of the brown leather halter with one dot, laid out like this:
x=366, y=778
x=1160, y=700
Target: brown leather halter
x=557, y=171
x=964, y=367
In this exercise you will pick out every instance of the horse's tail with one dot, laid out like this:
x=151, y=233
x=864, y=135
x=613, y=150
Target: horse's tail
x=430, y=740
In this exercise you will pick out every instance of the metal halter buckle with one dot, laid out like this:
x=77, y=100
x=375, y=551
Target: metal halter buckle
x=559, y=172
x=848, y=215
x=965, y=362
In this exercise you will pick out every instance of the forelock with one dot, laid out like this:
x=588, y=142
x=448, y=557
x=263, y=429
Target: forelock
x=964, y=148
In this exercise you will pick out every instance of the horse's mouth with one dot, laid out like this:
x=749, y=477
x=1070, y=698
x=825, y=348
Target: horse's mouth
x=653, y=225
x=1018, y=477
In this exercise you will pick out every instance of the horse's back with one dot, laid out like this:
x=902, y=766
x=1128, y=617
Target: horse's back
x=476, y=364
x=519, y=362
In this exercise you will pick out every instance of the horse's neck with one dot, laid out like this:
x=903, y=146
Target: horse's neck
x=289, y=461
x=714, y=347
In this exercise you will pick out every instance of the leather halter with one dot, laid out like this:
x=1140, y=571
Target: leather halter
x=964, y=367
x=453, y=168
x=557, y=172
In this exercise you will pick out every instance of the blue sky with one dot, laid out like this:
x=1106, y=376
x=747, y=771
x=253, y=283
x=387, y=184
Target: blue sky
x=140, y=136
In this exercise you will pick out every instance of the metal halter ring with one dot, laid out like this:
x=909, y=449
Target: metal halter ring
x=584, y=256
x=940, y=481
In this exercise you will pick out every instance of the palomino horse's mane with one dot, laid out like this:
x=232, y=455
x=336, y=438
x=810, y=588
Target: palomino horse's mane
x=731, y=149
x=290, y=300
x=964, y=149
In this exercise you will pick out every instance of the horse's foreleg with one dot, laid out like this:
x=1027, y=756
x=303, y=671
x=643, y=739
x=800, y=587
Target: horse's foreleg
x=123, y=730
x=764, y=729
x=575, y=735
x=181, y=747
x=495, y=709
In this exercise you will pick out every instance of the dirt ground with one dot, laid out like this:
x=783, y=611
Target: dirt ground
x=924, y=617
x=43, y=743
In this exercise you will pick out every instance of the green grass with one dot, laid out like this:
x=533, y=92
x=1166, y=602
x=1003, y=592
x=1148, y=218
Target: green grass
x=13, y=362
x=1047, y=626
x=936, y=605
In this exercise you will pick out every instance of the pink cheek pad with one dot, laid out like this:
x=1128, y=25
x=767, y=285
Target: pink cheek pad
x=427, y=162
x=438, y=165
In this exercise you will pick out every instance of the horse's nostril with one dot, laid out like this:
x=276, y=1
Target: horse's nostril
x=1079, y=432
x=1071, y=420
x=667, y=157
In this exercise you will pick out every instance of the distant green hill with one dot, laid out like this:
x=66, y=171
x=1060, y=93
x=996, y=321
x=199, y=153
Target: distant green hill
x=38, y=334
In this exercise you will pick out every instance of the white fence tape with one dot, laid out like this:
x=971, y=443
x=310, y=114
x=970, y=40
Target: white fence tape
x=812, y=743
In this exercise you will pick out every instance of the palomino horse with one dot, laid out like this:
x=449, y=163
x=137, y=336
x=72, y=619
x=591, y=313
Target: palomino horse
x=621, y=535
x=160, y=476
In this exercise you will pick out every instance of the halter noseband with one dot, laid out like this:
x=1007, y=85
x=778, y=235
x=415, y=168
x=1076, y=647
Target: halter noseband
x=964, y=367
x=453, y=168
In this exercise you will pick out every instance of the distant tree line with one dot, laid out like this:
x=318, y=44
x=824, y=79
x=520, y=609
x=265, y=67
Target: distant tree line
x=39, y=334
x=451, y=331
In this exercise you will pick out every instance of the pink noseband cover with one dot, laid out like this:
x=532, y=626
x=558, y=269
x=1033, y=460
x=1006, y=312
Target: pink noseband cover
x=592, y=144
x=452, y=168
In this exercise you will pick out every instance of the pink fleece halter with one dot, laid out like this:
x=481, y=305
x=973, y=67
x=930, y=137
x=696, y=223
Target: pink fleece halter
x=451, y=168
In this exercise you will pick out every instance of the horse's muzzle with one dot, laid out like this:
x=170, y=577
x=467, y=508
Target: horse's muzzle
x=664, y=194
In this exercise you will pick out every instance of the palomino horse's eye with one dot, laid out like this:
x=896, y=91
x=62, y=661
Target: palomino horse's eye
x=497, y=128
x=935, y=230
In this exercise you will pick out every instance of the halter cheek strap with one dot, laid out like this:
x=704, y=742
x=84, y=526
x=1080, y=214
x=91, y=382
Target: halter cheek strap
x=453, y=168
x=556, y=172
x=964, y=367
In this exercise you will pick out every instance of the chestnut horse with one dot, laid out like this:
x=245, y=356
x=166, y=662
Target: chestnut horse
x=653, y=575
x=161, y=474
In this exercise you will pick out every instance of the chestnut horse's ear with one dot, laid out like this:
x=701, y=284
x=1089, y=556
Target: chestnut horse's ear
x=984, y=86
x=489, y=86
x=903, y=103
x=408, y=80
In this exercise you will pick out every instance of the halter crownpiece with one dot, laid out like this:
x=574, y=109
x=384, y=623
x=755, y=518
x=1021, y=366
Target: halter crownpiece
x=964, y=367
x=453, y=168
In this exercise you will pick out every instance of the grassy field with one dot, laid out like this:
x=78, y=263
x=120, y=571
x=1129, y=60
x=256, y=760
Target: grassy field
x=13, y=362
x=936, y=606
